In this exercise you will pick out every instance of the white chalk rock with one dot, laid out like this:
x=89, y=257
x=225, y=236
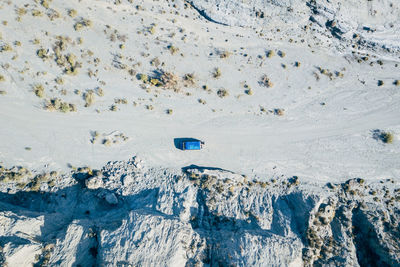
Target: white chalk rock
x=94, y=183
x=127, y=180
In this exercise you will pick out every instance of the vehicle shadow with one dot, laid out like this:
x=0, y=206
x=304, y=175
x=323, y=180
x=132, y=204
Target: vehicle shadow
x=203, y=168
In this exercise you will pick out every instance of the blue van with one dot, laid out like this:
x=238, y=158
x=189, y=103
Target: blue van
x=192, y=145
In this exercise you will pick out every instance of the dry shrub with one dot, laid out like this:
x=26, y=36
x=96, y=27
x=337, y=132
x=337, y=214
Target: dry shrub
x=222, y=93
x=189, y=79
x=265, y=81
x=82, y=23
x=387, y=137
x=72, y=13
x=279, y=111
x=168, y=80
x=123, y=101
x=89, y=98
x=56, y=104
x=172, y=49
x=270, y=53
x=38, y=89
x=248, y=91
x=216, y=73
x=281, y=53
x=224, y=54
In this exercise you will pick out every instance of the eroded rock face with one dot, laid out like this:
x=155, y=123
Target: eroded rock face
x=94, y=183
x=201, y=217
x=348, y=23
x=262, y=12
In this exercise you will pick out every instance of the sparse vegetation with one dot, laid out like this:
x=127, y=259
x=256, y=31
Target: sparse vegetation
x=37, y=13
x=384, y=136
x=216, y=73
x=123, y=101
x=21, y=11
x=189, y=79
x=59, y=80
x=326, y=72
x=107, y=142
x=387, y=137
x=108, y=139
x=279, y=111
x=222, y=93
x=38, y=89
x=167, y=80
x=13, y=174
x=248, y=91
x=82, y=24
x=5, y=48
x=265, y=81
x=224, y=54
x=72, y=13
x=56, y=104
x=43, y=54
x=89, y=97
x=270, y=53
x=173, y=49
x=114, y=108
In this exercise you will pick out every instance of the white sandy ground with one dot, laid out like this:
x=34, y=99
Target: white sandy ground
x=149, y=213
x=332, y=141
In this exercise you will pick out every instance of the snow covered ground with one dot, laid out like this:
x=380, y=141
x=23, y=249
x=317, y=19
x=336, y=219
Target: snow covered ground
x=275, y=89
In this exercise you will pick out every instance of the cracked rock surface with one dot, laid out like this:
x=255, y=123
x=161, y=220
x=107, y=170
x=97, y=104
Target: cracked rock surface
x=199, y=216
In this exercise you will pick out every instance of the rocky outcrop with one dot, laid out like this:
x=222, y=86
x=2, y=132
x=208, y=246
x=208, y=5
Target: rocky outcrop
x=199, y=216
x=343, y=24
